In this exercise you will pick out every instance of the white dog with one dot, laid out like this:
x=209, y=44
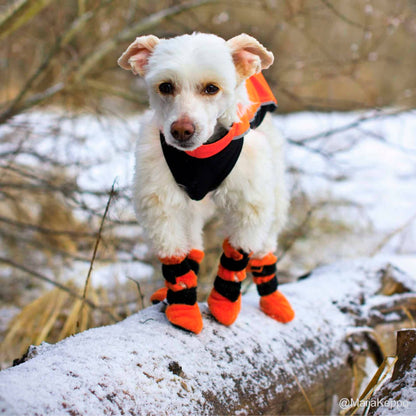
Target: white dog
x=203, y=142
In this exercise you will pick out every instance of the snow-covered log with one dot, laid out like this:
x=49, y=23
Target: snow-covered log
x=144, y=366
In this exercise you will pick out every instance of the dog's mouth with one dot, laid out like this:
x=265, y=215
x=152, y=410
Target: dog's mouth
x=195, y=141
x=186, y=145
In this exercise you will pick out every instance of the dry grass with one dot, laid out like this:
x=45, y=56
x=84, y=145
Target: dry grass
x=384, y=370
x=51, y=317
x=58, y=314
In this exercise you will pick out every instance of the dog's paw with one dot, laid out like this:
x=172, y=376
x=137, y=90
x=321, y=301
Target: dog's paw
x=159, y=296
x=187, y=317
x=277, y=307
x=223, y=310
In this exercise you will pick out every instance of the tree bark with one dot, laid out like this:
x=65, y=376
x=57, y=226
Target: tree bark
x=144, y=366
x=398, y=395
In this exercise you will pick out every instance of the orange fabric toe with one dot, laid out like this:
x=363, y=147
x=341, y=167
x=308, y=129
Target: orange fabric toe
x=277, y=307
x=187, y=317
x=223, y=310
x=159, y=295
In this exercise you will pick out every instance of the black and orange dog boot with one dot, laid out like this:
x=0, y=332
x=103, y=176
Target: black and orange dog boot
x=224, y=301
x=181, y=282
x=159, y=296
x=272, y=302
x=194, y=260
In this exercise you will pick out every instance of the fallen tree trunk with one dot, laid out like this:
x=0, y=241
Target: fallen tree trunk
x=144, y=366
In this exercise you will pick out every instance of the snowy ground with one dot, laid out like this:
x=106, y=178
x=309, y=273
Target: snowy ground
x=369, y=170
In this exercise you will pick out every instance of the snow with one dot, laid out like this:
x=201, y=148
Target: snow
x=378, y=171
x=143, y=365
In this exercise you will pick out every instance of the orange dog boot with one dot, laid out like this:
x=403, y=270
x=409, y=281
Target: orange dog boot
x=187, y=317
x=272, y=302
x=224, y=301
x=224, y=310
x=159, y=296
x=277, y=307
x=181, y=282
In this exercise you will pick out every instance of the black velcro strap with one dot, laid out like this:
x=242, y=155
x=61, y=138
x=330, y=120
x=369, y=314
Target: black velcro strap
x=230, y=290
x=265, y=270
x=194, y=265
x=264, y=289
x=172, y=271
x=185, y=296
x=234, y=265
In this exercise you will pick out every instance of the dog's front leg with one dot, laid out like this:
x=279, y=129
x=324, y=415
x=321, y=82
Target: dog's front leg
x=163, y=210
x=179, y=263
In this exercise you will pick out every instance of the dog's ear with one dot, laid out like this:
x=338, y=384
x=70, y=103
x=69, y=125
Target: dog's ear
x=249, y=55
x=135, y=57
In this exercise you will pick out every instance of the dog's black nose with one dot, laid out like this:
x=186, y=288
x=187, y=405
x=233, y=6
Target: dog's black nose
x=182, y=129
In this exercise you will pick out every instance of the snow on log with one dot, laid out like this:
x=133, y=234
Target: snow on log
x=144, y=366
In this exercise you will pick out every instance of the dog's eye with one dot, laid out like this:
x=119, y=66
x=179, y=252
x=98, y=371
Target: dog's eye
x=211, y=89
x=166, y=88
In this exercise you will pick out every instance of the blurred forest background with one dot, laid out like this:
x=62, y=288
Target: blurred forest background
x=65, y=104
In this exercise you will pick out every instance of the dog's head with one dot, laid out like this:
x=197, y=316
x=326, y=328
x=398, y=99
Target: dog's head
x=195, y=81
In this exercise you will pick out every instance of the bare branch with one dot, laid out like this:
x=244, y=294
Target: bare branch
x=97, y=241
x=393, y=233
x=327, y=133
x=60, y=286
x=34, y=100
x=342, y=16
x=44, y=230
x=19, y=14
x=43, y=278
x=109, y=89
x=94, y=254
x=136, y=28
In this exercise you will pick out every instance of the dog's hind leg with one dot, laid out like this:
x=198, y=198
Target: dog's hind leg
x=263, y=264
x=255, y=202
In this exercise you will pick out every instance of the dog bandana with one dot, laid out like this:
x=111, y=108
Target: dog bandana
x=202, y=170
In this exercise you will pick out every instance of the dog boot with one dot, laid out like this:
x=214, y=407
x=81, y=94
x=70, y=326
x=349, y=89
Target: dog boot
x=194, y=259
x=224, y=300
x=159, y=296
x=272, y=302
x=181, y=282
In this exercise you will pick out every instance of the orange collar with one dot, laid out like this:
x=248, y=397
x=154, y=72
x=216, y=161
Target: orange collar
x=260, y=95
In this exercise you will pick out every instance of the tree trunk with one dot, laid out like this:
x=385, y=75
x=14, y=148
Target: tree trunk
x=398, y=395
x=144, y=366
